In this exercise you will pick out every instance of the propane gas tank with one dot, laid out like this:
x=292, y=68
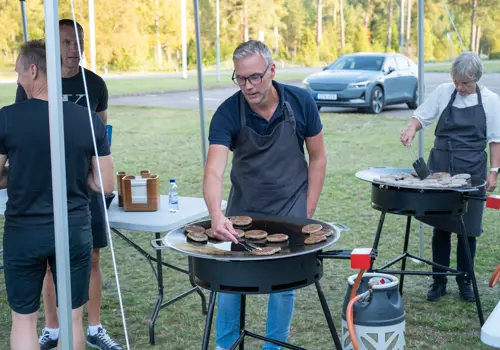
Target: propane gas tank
x=379, y=322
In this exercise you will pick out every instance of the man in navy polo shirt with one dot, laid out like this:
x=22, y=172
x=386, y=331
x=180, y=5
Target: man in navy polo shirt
x=265, y=125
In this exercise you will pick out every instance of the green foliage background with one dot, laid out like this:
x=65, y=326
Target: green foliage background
x=126, y=30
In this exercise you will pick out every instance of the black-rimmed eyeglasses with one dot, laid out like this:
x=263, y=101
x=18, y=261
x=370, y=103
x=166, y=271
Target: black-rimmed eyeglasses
x=255, y=79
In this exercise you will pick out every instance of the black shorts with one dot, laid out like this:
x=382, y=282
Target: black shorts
x=99, y=234
x=26, y=254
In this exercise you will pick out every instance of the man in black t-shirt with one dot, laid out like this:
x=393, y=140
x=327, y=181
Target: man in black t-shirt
x=29, y=239
x=73, y=90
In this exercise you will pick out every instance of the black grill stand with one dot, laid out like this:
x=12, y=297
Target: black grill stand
x=420, y=203
x=260, y=277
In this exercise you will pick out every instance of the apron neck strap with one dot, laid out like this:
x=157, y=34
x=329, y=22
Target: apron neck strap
x=243, y=111
x=479, y=97
x=452, y=98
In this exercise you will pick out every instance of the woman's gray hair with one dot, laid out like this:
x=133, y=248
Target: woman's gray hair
x=253, y=47
x=467, y=64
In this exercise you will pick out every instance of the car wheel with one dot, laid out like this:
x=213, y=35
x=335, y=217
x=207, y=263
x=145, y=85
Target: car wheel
x=413, y=104
x=377, y=101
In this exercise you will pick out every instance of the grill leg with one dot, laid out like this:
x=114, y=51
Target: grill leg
x=198, y=290
x=159, y=278
x=405, y=251
x=328, y=316
x=208, y=323
x=470, y=267
x=243, y=306
x=377, y=235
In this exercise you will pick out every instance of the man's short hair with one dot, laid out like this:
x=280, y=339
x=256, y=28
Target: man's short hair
x=33, y=52
x=66, y=22
x=253, y=47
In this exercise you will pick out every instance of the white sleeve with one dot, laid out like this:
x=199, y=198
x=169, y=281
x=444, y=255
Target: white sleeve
x=493, y=119
x=428, y=111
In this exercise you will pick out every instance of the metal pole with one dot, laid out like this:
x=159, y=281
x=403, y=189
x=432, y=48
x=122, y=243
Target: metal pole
x=25, y=20
x=184, y=39
x=402, y=27
x=200, y=83
x=217, y=41
x=421, y=95
x=57, y=154
x=92, y=36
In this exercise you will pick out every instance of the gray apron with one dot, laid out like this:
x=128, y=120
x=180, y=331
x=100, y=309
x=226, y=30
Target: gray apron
x=459, y=147
x=269, y=172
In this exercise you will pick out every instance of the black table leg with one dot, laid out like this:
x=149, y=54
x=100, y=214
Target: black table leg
x=328, y=316
x=243, y=308
x=159, y=278
x=405, y=252
x=198, y=290
x=208, y=323
x=470, y=272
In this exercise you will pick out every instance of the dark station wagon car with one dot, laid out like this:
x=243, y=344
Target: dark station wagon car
x=367, y=81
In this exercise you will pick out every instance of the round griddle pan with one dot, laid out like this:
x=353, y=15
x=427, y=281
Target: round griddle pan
x=373, y=175
x=214, y=249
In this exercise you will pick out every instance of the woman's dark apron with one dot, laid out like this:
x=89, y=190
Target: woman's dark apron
x=459, y=147
x=269, y=172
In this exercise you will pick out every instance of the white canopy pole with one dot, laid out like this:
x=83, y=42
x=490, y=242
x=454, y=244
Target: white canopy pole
x=217, y=40
x=200, y=83
x=184, y=39
x=25, y=20
x=92, y=36
x=421, y=95
x=57, y=154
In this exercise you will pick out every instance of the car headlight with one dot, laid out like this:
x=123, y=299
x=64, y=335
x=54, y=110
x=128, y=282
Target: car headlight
x=305, y=83
x=359, y=85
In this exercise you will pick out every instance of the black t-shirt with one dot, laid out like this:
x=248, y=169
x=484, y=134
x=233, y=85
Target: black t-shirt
x=74, y=91
x=226, y=123
x=25, y=139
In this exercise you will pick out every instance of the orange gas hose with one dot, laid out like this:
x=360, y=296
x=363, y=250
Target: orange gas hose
x=356, y=283
x=350, y=321
x=495, y=276
x=350, y=311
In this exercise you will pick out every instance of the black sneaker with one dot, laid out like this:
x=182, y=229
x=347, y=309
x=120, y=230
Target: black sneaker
x=46, y=343
x=466, y=290
x=436, y=290
x=102, y=341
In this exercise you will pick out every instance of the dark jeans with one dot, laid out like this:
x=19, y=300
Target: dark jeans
x=441, y=249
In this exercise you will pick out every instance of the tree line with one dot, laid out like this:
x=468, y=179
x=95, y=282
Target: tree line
x=146, y=34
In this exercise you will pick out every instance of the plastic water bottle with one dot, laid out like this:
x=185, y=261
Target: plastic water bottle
x=173, y=199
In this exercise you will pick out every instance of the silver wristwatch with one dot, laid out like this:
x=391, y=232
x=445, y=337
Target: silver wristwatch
x=494, y=170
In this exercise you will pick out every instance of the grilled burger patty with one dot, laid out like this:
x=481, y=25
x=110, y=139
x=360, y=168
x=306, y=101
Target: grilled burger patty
x=313, y=239
x=255, y=234
x=327, y=232
x=240, y=233
x=193, y=228
x=311, y=228
x=266, y=251
x=197, y=236
x=241, y=220
x=277, y=237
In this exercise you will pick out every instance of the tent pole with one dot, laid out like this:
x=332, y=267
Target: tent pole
x=25, y=20
x=57, y=153
x=200, y=83
x=421, y=97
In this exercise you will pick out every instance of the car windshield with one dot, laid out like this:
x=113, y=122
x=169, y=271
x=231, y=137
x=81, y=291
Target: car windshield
x=373, y=63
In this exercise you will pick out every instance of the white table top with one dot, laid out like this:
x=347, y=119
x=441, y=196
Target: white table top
x=190, y=209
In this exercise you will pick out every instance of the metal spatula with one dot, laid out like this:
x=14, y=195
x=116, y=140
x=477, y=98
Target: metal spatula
x=420, y=166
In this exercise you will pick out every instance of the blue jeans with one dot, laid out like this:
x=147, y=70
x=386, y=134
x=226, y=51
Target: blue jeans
x=279, y=317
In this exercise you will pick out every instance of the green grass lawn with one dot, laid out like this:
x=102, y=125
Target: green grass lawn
x=167, y=142
x=142, y=85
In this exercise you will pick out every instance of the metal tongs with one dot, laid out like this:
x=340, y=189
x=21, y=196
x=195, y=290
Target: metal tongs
x=247, y=246
x=420, y=166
